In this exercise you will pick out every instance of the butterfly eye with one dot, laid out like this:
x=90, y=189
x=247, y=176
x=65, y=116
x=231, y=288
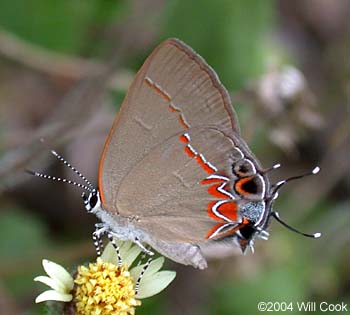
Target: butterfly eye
x=93, y=200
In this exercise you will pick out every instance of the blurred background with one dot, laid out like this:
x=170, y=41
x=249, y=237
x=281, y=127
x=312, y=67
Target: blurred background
x=64, y=70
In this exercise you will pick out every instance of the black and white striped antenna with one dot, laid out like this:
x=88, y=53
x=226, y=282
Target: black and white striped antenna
x=276, y=187
x=59, y=179
x=88, y=187
x=274, y=194
x=61, y=159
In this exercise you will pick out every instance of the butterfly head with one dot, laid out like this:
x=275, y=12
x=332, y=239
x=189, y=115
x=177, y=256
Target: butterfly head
x=91, y=196
x=92, y=201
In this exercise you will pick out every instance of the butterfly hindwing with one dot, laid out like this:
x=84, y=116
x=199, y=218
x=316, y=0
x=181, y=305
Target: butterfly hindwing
x=183, y=187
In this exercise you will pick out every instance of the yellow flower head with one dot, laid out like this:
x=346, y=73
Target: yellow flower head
x=104, y=288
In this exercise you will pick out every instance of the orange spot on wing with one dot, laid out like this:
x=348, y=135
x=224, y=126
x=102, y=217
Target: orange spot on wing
x=182, y=122
x=229, y=210
x=189, y=152
x=183, y=139
x=213, y=230
x=227, y=187
x=206, y=167
x=213, y=190
x=211, y=214
x=173, y=109
x=192, y=154
x=158, y=90
x=208, y=181
x=148, y=83
x=227, y=233
x=239, y=185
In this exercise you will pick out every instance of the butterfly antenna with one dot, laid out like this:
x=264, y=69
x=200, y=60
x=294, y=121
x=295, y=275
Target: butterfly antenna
x=59, y=179
x=60, y=158
x=274, y=167
x=276, y=187
x=278, y=219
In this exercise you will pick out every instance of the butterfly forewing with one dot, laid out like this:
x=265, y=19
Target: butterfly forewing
x=174, y=91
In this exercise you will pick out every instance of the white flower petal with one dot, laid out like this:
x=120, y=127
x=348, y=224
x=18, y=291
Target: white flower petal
x=128, y=252
x=109, y=254
x=155, y=265
x=124, y=247
x=58, y=273
x=52, y=295
x=57, y=286
x=155, y=283
x=130, y=256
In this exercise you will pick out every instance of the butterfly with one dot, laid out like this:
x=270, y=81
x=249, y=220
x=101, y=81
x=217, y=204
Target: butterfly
x=175, y=173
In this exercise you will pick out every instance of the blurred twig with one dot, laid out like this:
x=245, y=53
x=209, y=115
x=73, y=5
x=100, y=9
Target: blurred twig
x=76, y=108
x=43, y=60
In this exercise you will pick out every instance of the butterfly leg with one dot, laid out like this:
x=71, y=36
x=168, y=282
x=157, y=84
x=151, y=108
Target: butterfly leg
x=100, y=226
x=251, y=246
x=145, y=267
x=147, y=252
x=262, y=234
x=144, y=249
x=116, y=247
x=100, y=229
x=96, y=241
x=143, y=257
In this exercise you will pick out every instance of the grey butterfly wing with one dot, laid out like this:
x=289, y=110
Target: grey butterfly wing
x=173, y=91
x=167, y=190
